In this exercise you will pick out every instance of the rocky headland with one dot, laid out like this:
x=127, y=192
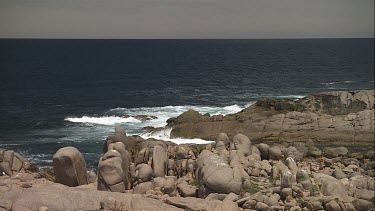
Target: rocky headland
x=338, y=116
x=231, y=173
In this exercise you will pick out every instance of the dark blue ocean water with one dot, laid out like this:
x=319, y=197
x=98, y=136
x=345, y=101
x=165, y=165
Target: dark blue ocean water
x=55, y=93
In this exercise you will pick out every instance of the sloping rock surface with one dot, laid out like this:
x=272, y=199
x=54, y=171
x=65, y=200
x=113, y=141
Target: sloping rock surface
x=339, y=116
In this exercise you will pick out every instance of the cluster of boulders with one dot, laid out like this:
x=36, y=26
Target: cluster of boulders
x=11, y=162
x=231, y=173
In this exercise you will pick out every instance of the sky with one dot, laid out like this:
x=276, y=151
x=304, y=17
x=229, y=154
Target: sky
x=214, y=19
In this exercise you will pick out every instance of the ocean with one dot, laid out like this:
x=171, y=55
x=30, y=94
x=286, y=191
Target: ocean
x=57, y=93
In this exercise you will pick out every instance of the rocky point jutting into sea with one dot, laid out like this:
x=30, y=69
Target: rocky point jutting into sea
x=239, y=170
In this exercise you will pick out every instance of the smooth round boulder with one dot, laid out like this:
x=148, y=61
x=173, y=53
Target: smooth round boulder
x=224, y=138
x=264, y=150
x=243, y=144
x=69, y=167
x=275, y=153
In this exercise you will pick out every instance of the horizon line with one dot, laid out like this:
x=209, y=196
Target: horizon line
x=70, y=38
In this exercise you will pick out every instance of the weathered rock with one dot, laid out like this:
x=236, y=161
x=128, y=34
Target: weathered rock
x=291, y=164
x=331, y=186
x=287, y=180
x=223, y=137
x=186, y=190
x=143, y=172
x=120, y=147
x=91, y=177
x=217, y=175
x=314, y=152
x=59, y=197
x=242, y=144
x=338, y=174
x=273, y=200
x=190, y=203
x=111, y=173
x=362, y=205
x=337, y=115
x=264, y=150
x=275, y=153
x=159, y=161
x=70, y=167
x=262, y=206
x=142, y=188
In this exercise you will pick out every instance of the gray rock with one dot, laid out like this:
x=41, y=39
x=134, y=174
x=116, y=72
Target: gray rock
x=275, y=153
x=286, y=192
x=287, y=180
x=111, y=173
x=159, y=161
x=232, y=197
x=361, y=204
x=224, y=138
x=314, y=152
x=302, y=175
x=338, y=174
x=186, y=190
x=331, y=186
x=249, y=204
x=143, y=188
x=262, y=206
x=143, y=172
x=264, y=150
x=5, y=168
x=291, y=164
x=273, y=200
x=217, y=175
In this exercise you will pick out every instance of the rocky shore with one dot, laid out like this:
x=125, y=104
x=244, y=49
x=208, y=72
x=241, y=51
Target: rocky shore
x=229, y=174
x=339, y=116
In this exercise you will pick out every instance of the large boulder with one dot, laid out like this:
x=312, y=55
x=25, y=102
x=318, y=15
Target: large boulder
x=159, y=161
x=242, y=144
x=69, y=167
x=120, y=147
x=214, y=173
x=331, y=186
x=111, y=172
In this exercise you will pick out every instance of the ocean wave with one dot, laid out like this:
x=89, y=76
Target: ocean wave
x=291, y=96
x=338, y=82
x=165, y=135
x=105, y=120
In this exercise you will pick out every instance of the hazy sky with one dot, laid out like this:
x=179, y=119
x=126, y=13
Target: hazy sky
x=186, y=18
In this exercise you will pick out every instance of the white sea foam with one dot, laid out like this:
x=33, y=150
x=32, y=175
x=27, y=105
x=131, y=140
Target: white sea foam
x=338, y=82
x=105, y=120
x=291, y=96
x=165, y=135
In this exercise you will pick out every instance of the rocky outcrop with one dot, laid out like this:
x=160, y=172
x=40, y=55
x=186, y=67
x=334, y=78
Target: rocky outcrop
x=69, y=167
x=338, y=116
x=11, y=162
